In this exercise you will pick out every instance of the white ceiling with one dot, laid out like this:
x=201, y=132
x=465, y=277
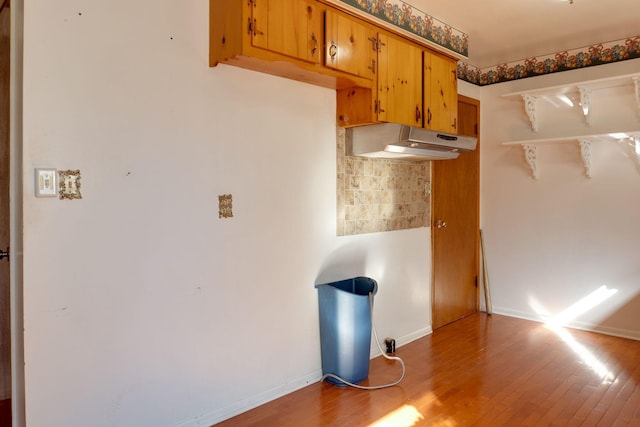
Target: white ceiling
x=502, y=31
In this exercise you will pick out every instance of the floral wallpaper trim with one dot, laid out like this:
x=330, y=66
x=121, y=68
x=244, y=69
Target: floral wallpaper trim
x=598, y=54
x=413, y=20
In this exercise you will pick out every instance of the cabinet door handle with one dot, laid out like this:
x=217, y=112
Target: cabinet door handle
x=455, y=123
x=314, y=49
x=253, y=28
x=333, y=50
x=373, y=66
x=428, y=116
x=418, y=114
x=374, y=43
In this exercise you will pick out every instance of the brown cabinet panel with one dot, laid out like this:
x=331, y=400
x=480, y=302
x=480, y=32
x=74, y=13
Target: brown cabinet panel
x=440, y=93
x=289, y=27
x=379, y=75
x=349, y=45
x=279, y=37
x=354, y=106
x=399, y=81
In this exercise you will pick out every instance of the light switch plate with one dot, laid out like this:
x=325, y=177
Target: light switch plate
x=46, y=182
x=70, y=184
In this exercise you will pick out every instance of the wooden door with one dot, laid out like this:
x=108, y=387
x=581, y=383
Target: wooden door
x=289, y=27
x=455, y=226
x=350, y=46
x=440, y=93
x=399, y=81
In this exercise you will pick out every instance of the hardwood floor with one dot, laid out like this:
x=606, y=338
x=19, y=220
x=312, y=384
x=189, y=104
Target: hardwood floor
x=480, y=371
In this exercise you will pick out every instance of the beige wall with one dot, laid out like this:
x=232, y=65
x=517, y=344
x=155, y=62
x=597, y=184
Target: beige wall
x=554, y=241
x=141, y=306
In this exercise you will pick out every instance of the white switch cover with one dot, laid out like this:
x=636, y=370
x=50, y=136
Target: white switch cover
x=46, y=182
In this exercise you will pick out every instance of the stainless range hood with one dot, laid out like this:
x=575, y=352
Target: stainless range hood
x=397, y=141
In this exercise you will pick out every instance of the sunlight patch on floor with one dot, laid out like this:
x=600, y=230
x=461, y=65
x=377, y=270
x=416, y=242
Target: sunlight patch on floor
x=600, y=369
x=405, y=416
x=556, y=324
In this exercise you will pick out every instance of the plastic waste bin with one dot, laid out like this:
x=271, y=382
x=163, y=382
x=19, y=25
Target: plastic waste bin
x=345, y=328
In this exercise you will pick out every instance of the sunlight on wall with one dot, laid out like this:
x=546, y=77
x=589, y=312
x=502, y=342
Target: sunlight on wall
x=592, y=300
x=556, y=324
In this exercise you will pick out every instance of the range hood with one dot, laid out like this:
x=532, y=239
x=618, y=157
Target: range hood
x=397, y=141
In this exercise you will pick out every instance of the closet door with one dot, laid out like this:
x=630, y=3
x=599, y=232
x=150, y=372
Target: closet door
x=455, y=226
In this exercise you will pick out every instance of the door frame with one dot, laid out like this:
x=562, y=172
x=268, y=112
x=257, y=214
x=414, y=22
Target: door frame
x=15, y=215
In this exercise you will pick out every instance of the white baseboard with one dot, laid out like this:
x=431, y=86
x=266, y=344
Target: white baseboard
x=251, y=402
x=406, y=339
x=616, y=332
x=254, y=401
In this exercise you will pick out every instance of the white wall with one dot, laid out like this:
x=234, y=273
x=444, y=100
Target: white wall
x=141, y=306
x=553, y=241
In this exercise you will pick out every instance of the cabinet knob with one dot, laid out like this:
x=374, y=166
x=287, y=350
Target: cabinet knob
x=441, y=224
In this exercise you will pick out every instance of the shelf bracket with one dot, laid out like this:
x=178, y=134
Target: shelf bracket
x=530, y=151
x=585, y=152
x=585, y=103
x=530, y=109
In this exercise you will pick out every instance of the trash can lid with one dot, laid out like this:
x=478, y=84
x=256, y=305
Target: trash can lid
x=356, y=285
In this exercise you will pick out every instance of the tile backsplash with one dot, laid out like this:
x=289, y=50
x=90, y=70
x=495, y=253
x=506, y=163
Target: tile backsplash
x=380, y=195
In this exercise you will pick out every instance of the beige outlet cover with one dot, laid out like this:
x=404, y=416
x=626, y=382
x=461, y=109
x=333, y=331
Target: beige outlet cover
x=225, y=206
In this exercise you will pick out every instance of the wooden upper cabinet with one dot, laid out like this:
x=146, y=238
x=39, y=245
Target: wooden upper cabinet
x=350, y=45
x=379, y=76
x=440, y=92
x=289, y=27
x=399, y=95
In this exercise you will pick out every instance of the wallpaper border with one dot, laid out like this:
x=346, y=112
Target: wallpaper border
x=598, y=54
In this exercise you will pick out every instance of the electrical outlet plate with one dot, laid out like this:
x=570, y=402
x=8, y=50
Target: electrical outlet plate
x=46, y=182
x=225, y=206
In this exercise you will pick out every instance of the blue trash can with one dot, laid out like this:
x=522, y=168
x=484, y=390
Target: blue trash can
x=345, y=328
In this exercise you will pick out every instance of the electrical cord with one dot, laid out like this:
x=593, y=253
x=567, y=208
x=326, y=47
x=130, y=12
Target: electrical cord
x=375, y=387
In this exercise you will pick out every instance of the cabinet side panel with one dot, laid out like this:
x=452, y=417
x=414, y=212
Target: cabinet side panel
x=225, y=30
x=354, y=106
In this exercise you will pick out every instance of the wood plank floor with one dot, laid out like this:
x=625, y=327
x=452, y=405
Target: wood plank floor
x=480, y=371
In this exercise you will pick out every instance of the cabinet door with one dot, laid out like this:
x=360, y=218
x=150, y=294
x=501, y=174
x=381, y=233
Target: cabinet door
x=288, y=27
x=399, y=82
x=350, y=45
x=440, y=93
